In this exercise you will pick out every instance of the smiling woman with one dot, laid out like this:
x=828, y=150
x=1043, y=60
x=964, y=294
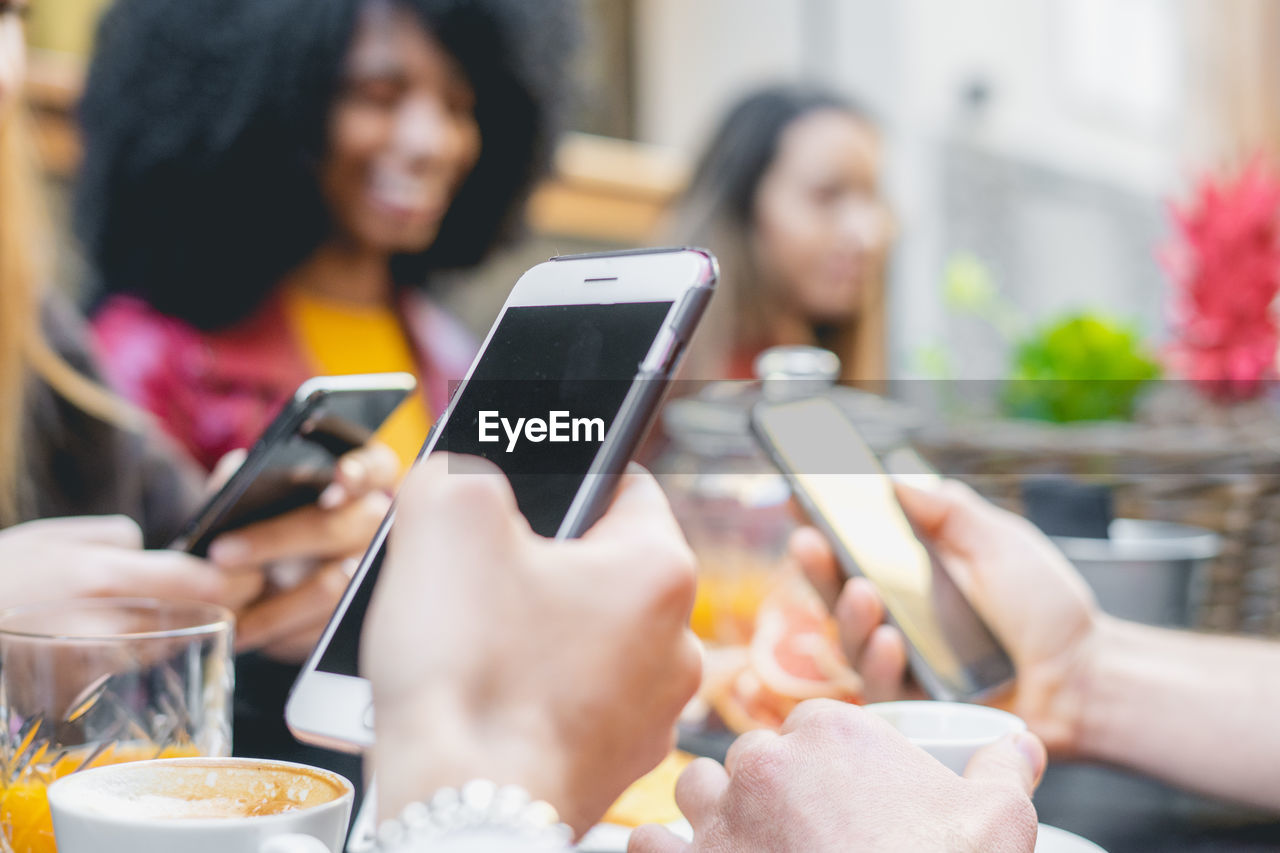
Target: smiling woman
x=268, y=188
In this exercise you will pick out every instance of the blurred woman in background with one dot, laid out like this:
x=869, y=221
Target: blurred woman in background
x=787, y=196
x=269, y=187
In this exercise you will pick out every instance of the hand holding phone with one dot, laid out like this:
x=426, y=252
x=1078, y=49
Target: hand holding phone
x=293, y=464
x=309, y=555
x=840, y=484
x=606, y=649
x=564, y=388
x=301, y=506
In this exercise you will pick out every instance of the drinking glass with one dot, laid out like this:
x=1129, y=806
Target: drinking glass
x=104, y=681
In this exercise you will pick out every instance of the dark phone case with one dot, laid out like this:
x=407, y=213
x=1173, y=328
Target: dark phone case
x=920, y=668
x=223, y=512
x=204, y=526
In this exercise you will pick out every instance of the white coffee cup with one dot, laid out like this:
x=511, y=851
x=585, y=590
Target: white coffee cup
x=201, y=805
x=949, y=731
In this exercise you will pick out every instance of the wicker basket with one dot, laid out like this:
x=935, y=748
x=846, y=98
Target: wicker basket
x=1224, y=476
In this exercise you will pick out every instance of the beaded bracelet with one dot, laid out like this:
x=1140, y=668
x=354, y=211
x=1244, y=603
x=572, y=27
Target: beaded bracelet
x=478, y=805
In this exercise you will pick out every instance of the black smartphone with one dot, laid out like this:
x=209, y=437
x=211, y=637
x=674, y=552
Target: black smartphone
x=839, y=482
x=566, y=384
x=293, y=462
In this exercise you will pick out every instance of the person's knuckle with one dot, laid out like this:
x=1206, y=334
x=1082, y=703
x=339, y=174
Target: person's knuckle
x=375, y=505
x=828, y=718
x=212, y=588
x=689, y=665
x=356, y=527
x=760, y=765
x=670, y=560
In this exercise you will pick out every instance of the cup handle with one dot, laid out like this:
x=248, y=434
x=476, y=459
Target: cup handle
x=293, y=843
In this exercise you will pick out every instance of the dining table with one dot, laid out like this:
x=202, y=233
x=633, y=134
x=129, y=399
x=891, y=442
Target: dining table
x=1123, y=812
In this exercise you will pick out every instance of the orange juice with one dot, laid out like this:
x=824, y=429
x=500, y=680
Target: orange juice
x=727, y=601
x=25, y=823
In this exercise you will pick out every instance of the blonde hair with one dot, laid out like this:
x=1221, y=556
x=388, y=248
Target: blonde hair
x=24, y=350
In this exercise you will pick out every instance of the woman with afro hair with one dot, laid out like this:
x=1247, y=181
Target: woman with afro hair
x=270, y=186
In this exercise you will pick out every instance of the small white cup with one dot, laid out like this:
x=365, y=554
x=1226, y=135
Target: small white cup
x=949, y=731
x=135, y=808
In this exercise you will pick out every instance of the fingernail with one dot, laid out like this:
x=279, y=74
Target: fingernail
x=1029, y=745
x=229, y=550
x=333, y=495
x=351, y=469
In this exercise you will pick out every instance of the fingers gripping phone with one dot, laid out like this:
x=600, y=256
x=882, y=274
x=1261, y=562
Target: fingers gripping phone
x=293, y=461
x=567, y=382
x=840, y=484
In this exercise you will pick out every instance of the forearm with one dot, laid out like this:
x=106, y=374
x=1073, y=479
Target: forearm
x=1195, y=710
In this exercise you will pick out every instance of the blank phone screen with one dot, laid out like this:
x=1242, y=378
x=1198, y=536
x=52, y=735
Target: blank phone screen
x=847, y=492
x=578, y=359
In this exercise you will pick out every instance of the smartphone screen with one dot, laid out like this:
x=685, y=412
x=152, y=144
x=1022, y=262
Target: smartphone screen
x=579, y=359
x=842, y=486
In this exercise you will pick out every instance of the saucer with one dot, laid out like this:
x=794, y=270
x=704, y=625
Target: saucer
x=608, y=838
x=1050, y=839
x=611, y=838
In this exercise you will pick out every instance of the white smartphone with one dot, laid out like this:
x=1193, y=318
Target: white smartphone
x=565, y=386
x=845, y=492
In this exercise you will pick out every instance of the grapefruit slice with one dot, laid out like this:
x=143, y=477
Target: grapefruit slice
x=794, y=656
x=796, y=649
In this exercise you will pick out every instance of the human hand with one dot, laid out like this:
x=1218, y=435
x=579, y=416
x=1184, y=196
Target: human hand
x=329, y=537
x=876, y=650
x=1030, y=596
x=836, y=778
x=102, y=556
x=496, y=653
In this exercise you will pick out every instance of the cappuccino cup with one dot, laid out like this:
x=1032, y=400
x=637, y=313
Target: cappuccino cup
x=949, y=731
x=201, y=805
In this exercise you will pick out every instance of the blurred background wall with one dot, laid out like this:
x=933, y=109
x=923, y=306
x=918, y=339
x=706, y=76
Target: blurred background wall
x=1042, y=137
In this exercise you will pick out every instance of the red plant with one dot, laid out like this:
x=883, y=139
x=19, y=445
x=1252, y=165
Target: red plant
x=1226, y=270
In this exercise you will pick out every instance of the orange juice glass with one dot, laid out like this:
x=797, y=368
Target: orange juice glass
x=104, y=681
x=731, y=587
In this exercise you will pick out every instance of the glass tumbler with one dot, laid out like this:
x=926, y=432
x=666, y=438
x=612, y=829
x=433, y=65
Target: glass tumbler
x=104, y=681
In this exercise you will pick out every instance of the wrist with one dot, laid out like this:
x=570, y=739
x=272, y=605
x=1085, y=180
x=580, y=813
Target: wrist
x=1055, y=696
x=1090, y=686
x=437, y=741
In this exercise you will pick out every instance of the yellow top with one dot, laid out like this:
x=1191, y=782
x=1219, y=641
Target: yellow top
x=343, y=337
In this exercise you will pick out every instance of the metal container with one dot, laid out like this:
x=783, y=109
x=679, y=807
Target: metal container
x=1147, y=571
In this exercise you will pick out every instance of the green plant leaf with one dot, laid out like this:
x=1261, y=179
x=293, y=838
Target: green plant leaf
x=1082, y=367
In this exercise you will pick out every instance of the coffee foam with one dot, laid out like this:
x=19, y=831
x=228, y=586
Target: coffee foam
x=205, y=790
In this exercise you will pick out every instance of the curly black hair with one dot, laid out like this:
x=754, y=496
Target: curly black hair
x=205, y=121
